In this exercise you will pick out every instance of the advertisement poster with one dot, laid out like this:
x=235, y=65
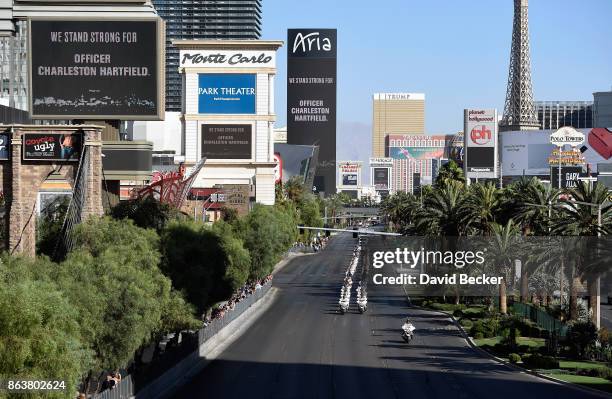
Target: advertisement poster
x=416, y=152
x=527, y=152
x=226, y=141
x=96, y=69
x=570, y=176
x=480, y=158
x=381, y=178
x=228, y=93
x=311, y=97
x=4, y=147
x=52, y=147
x=349, y=179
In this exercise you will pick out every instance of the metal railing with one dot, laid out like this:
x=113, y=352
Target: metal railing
x=123, y=390
x=541, y=318
x=217, y=325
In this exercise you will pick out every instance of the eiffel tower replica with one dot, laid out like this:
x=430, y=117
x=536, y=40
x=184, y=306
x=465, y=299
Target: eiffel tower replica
x=519, y=109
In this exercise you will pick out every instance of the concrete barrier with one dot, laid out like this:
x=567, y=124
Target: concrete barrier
x=165, y=385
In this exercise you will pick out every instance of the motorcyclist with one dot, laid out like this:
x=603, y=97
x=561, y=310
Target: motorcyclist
x=408, y=327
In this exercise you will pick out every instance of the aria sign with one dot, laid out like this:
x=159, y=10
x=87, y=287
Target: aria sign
x=567, y=135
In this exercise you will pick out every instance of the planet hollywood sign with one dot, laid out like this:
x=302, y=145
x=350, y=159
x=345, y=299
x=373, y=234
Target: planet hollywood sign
x=220, y=58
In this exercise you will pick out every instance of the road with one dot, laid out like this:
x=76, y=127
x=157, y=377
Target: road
x=302, y=348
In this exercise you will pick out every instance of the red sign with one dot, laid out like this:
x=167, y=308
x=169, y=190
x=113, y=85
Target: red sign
x=278, y=169
x=480, y=135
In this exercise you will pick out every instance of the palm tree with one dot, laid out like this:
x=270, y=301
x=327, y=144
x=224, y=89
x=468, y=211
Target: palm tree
x=443, y=212
x=481, y=207
x=578, y=216
x=399, y=209
x=449, y=172
x=534, y=207
x=294, y=189
x=503, y=247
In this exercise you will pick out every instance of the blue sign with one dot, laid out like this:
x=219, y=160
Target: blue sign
x=226, y=93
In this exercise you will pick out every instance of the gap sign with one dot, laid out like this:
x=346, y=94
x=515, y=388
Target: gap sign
x=228, y=93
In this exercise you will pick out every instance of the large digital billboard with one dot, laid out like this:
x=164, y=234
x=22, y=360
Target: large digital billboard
x=226, y=93
x=480, y=135
x=528, y=152
x=311, y=97
x=52, y=147
x=227, y=141
x=93, y=69
x=381, y=178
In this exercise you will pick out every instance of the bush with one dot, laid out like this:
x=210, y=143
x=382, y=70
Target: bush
x=122, y=297
x=478, y=335
x=40, y=337
x=582, y=336
x=267, y=232
x=514, y=358
x=147, y=213
x=466, y=323
x=487, y=327
x=458, y=313
x=206, y=273
x=538, y=361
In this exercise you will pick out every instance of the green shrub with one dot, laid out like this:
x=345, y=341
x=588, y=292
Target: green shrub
x=478, y=335
x=466, y=323
x=582, y=336
x=514, y=358
x=538, y=361
x=487, y=327
x=458, y=313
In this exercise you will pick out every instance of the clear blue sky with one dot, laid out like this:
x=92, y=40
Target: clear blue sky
x=456, y=52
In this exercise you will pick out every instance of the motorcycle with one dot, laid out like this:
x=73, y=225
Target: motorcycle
x=344, y=305
x=363, y=306
x=407, y=336
x=408, y=333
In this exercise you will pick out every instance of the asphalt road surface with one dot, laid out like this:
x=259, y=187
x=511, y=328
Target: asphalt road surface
x=303, y=348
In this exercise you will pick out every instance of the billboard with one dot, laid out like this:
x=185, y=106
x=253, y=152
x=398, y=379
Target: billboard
x=90, y=69
x=480, y=135
x=52, y=147
x=311, y=97
x=381, y=178
x=349, y=179
x=4, y=146
x=226, y=93
x=416, y=152
x=570, y=176
x=227, y=141
x=528, y=152
x=417, y=146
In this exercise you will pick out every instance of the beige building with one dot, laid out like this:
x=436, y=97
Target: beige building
x=396, y=113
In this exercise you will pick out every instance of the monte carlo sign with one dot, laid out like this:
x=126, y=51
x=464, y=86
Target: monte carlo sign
x=227, y=58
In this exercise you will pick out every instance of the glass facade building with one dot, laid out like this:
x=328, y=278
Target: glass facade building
x=202, y=20
x=556, y=114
